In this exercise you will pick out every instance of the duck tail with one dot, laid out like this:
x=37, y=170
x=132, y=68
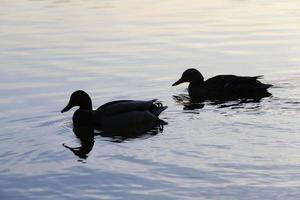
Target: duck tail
x=258, y=77
x=157, y=108
x=265, y=86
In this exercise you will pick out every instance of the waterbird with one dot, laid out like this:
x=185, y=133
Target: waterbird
x=223, y=87
x=115, y=116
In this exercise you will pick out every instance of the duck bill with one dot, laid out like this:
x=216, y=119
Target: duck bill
x=181, y=80
x=67, y=108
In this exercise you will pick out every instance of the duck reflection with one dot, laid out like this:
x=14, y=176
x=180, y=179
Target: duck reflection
x=142, y=131
x=188, y=104
x=86, y=135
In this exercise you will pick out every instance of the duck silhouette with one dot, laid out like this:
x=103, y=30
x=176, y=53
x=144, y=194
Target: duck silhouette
x=116, y=116
x=223, y=88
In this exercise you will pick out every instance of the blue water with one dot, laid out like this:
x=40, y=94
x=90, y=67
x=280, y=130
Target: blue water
x=136, y=50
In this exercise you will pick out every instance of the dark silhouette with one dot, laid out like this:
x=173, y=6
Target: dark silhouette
x=187, y=104
x=115, y=115
x=142, y=131
x=86, y=136
x=118, y=120
x=223, y=88
x=184, y=100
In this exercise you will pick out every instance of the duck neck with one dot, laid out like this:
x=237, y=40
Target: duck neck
x=197, y=79
x=197, y=82
x=194, y=85
x=86, y=107
x=86, y=104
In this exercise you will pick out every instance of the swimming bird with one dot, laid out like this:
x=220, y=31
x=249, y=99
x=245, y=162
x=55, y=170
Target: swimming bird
x=115, y=116
x=223, y=87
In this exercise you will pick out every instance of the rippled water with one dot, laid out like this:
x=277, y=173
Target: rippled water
x=136, y=50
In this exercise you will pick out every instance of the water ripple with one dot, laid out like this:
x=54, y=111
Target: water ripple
x=136, y=50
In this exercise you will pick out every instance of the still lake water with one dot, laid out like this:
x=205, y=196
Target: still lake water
x=135, y=50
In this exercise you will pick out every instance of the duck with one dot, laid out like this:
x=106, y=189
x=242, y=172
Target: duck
x=223, y=88
x=114, y=116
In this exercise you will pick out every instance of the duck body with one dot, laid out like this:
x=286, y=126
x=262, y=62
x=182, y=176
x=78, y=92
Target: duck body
x=223, y=87
x=128, y=114
x=115, y=116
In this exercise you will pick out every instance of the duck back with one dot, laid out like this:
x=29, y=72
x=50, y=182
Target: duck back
x=230, y=87
x=123, y=106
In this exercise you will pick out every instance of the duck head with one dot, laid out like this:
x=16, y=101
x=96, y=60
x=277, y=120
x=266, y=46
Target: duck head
x=79, y=98
x=191, y=76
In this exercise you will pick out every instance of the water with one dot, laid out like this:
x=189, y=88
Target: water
x=136, y=50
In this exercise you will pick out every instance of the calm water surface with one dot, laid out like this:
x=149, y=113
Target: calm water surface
x=135, y=50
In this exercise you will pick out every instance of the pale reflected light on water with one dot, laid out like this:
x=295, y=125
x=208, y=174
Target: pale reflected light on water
x=136, y=50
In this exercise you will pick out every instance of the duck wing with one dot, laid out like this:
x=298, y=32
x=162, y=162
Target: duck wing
x=123, y=106
x=231, y=81
x=247, y=82
x=127, y=116
x=231, y=86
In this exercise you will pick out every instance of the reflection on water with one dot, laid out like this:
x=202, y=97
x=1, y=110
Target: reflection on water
x=184, y=100
x=135, y=50
x=86, y=136
x=142, y=131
